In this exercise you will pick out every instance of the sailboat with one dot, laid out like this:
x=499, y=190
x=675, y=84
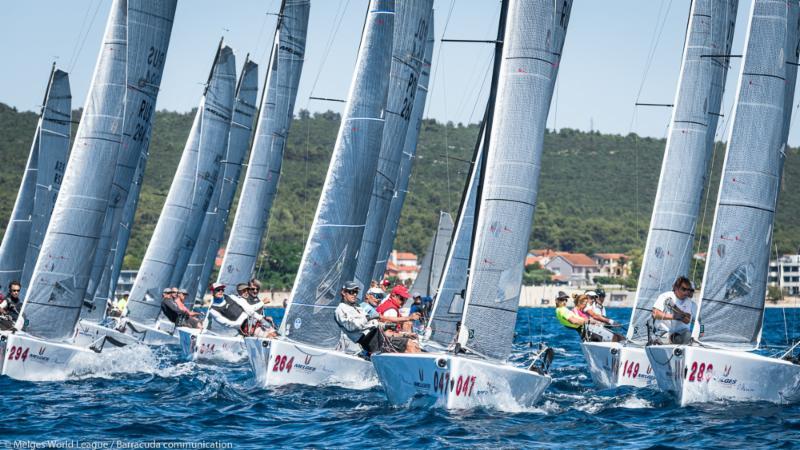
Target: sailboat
x=721, y=363
x=435, y=256
x=275, y=117
x=183, y=212
x=41, y=182
x=131, y=61
x=199, y=269
x=306, y=353
x=477, y=372
x=684, y=172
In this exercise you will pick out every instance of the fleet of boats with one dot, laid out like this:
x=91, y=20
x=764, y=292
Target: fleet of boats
x=74, y=212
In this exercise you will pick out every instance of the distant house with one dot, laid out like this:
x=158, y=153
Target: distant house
x=574, y=268
x=785, y=273
x=612, y=264
x=402, y=265
x=125, y=283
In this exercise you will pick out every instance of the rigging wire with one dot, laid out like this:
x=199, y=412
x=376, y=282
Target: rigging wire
x=85, y=31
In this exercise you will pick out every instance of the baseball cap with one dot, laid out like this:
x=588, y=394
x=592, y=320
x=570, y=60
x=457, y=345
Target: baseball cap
x=377, y=292
x=215, y=286
x=416, y=294
x=590, y=294
x=400, y=290
x=166, y=291
x=183, y=291
x=351, y=286
x=385, y=283
x=562, y=294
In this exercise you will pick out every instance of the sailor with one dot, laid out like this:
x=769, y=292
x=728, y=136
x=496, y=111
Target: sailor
x=360, y=332
x=190, y=317
x=371, y=301
x=10, y=306
x=249, y=293
x=228, y=315
x=595, y=309
x=389, y=309
x=243, y=291
x=566, y=317
x=673, y=312
x=119, y=307
x=169, y=305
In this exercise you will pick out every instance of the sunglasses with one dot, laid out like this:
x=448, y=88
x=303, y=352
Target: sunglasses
x=252, y=289
x=350, y=291
x=685, y=289
x=15, y=290
x=219, y=290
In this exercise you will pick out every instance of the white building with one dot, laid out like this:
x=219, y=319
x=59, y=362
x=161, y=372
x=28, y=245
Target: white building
x=785, y=273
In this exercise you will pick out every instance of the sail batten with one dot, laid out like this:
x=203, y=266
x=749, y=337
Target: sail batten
x=182, y=216
x=266, y=156
x=731, y=310
x=330, y=253
x=687, y=156
x=533, y=39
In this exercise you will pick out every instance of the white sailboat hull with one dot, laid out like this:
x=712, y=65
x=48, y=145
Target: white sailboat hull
x=211, y=347
x=699, y=375
x=456, y=382
x=133, y=332
x=24, y=357
x=89, y=332
x=278, y=362
x=612, y=365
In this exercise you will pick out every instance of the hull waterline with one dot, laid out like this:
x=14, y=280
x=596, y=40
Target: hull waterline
x=211, y=347
x=24, y=357
x=613, y=365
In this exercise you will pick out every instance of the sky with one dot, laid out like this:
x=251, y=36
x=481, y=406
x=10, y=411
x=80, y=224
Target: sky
x=616, y=52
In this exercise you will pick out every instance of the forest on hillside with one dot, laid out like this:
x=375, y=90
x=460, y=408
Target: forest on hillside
x=595, y=192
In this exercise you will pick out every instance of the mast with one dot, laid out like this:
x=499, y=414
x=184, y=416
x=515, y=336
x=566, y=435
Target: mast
x=533, y=39
x=205, y=251
x=687, y=156
x=433, y=263
x=266, y=156
x=183, y=212
x=407, y=158
x=731, y=309
x=408, y=51
x=41, y=182
x=134, y=49
x=335, y=235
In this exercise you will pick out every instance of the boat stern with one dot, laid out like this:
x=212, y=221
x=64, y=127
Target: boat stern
x=612, y=365
x=668, y=363
x=28, y=358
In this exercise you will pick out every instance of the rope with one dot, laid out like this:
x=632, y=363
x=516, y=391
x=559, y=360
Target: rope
x=79, y=43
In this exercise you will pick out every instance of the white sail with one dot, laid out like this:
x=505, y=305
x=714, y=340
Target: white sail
x=534, y=36
x=451, y=292
x=264, y=166
x=432, y=266
x=690, y=145
x=131, y=58
x=731, y=309
x=406, y=160
x=205, y=251
x=335, y=237
x=412, y=19
x=182, y=215
x=41, y=182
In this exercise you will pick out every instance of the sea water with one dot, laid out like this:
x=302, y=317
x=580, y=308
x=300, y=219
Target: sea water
x=140, y=397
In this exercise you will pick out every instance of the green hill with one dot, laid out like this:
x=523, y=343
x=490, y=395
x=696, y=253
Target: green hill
x=596, y=191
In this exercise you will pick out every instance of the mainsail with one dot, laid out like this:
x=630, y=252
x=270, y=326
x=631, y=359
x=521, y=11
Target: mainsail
x=449, y=305
x=731, y=310
x=183, y=212
x=406, y=160
x=335, y=236
x=205, y=251
x=264, y=167
x=534, y=37
x=410, y=34
x=134, y=46
x=427, y=280
x=688, y=152
x=40, y=183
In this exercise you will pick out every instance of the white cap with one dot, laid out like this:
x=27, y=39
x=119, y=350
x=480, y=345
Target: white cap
x=591, y=294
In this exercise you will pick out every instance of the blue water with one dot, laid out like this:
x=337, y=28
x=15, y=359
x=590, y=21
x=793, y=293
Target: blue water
x=146, y=395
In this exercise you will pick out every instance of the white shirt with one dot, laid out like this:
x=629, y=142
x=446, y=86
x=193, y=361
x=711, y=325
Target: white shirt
x=598, y=308
x=668, y=303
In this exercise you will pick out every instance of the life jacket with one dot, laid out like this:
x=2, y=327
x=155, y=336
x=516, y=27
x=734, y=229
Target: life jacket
x=170, y=309
x=387, y=305
x=230, y=310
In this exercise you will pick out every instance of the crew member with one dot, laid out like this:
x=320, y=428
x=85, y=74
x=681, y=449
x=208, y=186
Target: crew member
x=673, y=312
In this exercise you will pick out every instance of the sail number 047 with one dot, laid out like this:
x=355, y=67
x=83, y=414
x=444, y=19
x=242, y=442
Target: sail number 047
x=463, y=385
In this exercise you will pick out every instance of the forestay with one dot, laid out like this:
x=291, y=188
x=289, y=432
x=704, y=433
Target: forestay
x=534, y=36
x=61, y=273
x=408, y=49
x=732, y=305
x=182, y=215
x=406, y=159
x=40, y=183
x=335, y=235
x=266, y=156
x=689, y=149
x=449, y=305
x=211, y=233
x=433, y=262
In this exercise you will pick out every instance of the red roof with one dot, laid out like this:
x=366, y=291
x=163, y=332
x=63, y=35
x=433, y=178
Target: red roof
x=577, y=259
x=558, y=277
x=611, y=256
x=405, y=255
x=533, y=259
